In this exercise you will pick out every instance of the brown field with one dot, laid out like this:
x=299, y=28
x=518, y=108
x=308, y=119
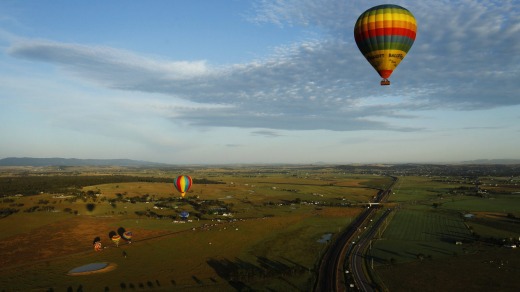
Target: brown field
x=268, y=243
x=58, y=239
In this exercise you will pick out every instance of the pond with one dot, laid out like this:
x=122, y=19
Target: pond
x=88, y=268
x=325, y=238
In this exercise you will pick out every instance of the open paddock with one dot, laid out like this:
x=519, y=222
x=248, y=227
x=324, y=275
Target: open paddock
x=269, y=236
x=422, y=188
x=416, y=233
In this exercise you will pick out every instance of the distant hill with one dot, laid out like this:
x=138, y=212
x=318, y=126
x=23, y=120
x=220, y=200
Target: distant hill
x=492, y=161
x=29, y=161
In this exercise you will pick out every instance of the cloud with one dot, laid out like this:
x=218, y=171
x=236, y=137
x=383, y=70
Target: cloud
x=265, y=133
x=327, y=15
x=483, y=128
x=466, y=57
x=296, y=89
x=114, y=67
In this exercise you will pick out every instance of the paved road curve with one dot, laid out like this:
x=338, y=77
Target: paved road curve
x=330, y=277
x=357, y=256
x=331, y=274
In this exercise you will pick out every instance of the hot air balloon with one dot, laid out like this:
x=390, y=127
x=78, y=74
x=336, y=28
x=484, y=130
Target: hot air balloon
x=116, y=238
x=384, y=34
x=185, y=215
x=128, y=236
x=97, y=244
x=182, y=183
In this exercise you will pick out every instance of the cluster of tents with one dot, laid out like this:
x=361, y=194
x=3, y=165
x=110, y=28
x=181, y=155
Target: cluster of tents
x=115, y=237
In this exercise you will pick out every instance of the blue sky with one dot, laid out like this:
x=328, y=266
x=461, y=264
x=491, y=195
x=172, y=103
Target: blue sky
x=268, y=81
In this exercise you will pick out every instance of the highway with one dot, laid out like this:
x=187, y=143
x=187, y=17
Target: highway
x=357, y=256
x=331, y=276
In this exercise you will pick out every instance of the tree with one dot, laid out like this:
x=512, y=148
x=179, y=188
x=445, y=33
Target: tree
x=90, y=207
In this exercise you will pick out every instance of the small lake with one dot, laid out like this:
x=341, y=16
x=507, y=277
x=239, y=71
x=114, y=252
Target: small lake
x=325, y=238
x=88, y=268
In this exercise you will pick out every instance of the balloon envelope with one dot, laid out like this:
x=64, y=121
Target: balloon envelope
x=116, y=238
x=384, y=34
x=185, y=214
x=182, y=183
x=97, y=246
x=127, y=235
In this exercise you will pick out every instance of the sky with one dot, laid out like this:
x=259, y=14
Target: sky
x=266, y=81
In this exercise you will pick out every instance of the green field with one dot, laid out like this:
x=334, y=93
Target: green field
x=268, y=238
x=414, y=234
x=250, y=228
x=439, y=221
x=499, y=203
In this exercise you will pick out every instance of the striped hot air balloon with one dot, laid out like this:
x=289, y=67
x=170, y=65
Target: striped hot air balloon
x=116, y=238
x=384, y=34
x=182, y=183
x=128, y=235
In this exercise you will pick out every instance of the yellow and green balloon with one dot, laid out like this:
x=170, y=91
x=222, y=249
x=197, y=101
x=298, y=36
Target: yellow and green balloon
x=116, y=238
x=384, y=34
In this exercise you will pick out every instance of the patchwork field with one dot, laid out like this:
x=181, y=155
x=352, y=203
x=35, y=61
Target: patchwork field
x=444, y=228
x=253, y=230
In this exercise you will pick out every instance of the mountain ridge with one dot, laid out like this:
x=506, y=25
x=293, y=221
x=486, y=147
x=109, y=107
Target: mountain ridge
x=58, y=161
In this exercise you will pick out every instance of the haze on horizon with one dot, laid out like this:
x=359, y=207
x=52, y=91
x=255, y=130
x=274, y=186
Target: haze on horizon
x=269, y=81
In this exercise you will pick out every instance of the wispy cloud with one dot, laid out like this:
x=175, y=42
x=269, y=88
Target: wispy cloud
x=265, y=133
x=466, y=57
x=483, y=128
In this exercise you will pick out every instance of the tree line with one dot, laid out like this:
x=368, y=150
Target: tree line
x=33, y=185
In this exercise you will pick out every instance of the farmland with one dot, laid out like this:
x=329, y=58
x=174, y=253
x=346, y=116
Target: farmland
x=247, y=228
x=445, y=228
x=255, y=228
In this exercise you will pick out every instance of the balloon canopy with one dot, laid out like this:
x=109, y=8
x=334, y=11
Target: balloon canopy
x=116, y=238
x=384, y=34
x=127, y=235
x=98, y=246
x=183, y=184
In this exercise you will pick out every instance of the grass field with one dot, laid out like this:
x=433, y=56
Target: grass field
x=421, y=188
x=490, y=270
x=500, y=203
x=257, y=229
x=416, y=233
x=418, y=248
x=269, y=242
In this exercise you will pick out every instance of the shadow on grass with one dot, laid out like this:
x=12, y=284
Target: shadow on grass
x=197, y=280
x=239, y=272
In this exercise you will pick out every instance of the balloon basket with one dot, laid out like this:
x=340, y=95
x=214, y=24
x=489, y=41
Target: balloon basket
x=385, y=82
